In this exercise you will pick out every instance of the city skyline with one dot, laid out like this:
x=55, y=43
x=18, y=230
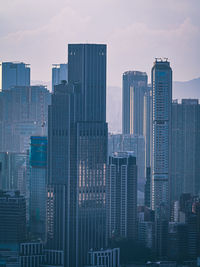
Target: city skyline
x=95, y=207
x=100, y=133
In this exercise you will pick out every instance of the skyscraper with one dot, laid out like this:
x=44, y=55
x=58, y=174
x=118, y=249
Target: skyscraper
x=13, y=171
x=87, y=66
x=147, y=132
x=122, y=196
x=161, y=132
x=134, y=87
x=77, y=156
x=61, y=178
x=59, y=74
x=185, y=148
x=24, y=111
x=38, y=170
x=14, y=74
x=135, y=145
x=147, y=125
x=13, y=217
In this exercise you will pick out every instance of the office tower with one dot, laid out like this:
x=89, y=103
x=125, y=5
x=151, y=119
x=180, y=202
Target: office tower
x=92, y=136
x=189, y=216
x=61, y=172
x=193, y=236
x=122, y=196
x=14, y=74
x=146, y=227
x=146, y=234
x=178, y=241
x=13, y=172
x=185, y=148
x=23, y=113
x=147, y=188
x=57, y=175
x=182, y=236
x=161, y=134
x=129, y=142
x=161, y=234
x=77, y=157
x=59, y=74
x=147, y=125
x=13, y=217
x=135, y=144
x=147, y=130
x=37, y=176
x=134, y=87
x=87, y=66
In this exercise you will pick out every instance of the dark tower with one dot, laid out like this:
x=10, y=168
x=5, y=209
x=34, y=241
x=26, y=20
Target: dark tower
x=77, y=156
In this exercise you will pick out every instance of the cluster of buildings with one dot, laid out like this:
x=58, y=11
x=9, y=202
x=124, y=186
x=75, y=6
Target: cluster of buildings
x=72, y=194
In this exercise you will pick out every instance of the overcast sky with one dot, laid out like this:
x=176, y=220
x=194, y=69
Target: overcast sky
x=136, y=31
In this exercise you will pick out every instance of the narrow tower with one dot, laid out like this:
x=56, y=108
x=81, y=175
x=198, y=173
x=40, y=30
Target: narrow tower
x=161, y=132
x=134, y=87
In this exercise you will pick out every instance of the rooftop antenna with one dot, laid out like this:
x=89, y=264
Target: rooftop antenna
x=158, y=59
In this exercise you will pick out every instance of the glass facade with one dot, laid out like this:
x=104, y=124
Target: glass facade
x=77, y=156
x=24, y=111
x=14, y=74
x=134, y=87
x=161, y=133
x=59, y=74
x=38, y=167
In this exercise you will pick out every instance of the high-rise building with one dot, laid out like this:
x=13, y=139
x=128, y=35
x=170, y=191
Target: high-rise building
x=185, y=173
x=146, y=234
x=161, y=133
x=122, y=196
x=134, y=87
x=59, y=175
x=13, y=217
x=77, y=157
x=135, y=145
x=161, y=232
x=87, y=66
x=147, y=125
x=13, y=172
x=59, y=74
x=38, y=171
x=178, y=241
x=189, y=216
x=147, y=131
x=14, y=74
x=24, y=112
x=146, y=227
x=92, y=136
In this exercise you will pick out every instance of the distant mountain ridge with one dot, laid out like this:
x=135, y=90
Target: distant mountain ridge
x=180, y=90
x=187, y=89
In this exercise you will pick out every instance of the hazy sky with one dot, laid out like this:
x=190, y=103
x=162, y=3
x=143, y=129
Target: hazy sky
x=136, y=31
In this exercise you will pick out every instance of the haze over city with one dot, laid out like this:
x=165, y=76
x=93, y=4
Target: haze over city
x=99, y=133
x=136, y=31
